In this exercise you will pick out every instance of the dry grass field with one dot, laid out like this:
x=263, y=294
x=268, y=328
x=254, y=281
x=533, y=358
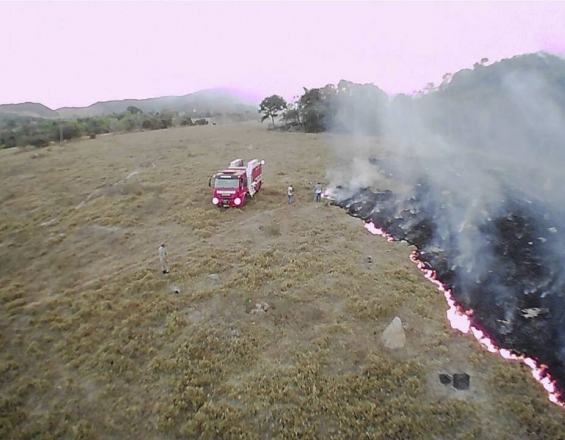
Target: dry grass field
x=94, y=343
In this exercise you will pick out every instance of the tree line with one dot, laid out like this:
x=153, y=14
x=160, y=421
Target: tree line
x=361, y=108
x=37, y=132
x=343, y=107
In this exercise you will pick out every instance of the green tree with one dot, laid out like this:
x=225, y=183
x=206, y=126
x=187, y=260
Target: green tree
x=291, y=116
x=39, y=141
x=316, y=108
x=271, y=106
x=186, y=121
x=9, y=141
x=131, y=122
x=70, y=130
x=134, y=110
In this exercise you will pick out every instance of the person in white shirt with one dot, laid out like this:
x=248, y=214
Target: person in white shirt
x=290, y=193
x=318, y=192
x=163, y=258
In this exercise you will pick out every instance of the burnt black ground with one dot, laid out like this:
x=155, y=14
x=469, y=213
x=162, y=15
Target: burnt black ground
x=519, y=300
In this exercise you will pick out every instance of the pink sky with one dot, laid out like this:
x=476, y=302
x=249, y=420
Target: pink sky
x=77, y=53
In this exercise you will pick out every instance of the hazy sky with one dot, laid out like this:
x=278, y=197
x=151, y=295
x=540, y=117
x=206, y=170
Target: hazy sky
x=78, y=53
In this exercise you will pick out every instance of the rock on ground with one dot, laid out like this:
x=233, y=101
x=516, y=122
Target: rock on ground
x=393, y=336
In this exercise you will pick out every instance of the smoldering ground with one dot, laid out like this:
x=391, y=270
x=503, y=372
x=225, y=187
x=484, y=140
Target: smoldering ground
x=477, y=170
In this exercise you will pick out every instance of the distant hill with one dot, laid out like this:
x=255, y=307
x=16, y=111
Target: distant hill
x=198, y=103
x=213, y=101
x=28, y=110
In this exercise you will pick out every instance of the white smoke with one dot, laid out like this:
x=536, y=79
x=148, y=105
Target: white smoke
x=492, y=132
x=485, y=146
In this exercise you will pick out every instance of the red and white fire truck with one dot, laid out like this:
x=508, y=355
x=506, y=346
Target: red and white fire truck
x=237, y=183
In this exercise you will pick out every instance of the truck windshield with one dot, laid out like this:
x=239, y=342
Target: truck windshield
x=226, y=183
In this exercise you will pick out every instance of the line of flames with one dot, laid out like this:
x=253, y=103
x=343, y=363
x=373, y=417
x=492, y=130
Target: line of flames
x=460, y=319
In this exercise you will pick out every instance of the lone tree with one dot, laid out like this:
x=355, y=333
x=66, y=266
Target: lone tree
x=134, y=110
x=271, y=106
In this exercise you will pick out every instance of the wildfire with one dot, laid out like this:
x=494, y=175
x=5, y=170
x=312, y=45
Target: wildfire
x=460, y=319
x=378, y=231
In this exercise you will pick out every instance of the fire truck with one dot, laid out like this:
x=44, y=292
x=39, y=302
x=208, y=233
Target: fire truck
x=236, y=184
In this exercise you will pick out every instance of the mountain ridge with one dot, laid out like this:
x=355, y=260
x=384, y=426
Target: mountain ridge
x=203, y=101
x=28, y=109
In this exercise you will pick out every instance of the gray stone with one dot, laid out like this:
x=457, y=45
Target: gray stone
x=393, y=336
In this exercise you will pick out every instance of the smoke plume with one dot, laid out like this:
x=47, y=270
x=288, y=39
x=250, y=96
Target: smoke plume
x=476, y=168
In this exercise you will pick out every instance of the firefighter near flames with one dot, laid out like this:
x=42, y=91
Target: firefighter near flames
x=235, y=185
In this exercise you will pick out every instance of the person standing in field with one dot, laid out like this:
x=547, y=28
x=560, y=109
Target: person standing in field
x=163, y=258
x=253, y=188
x=290, y=193
x=318, y=192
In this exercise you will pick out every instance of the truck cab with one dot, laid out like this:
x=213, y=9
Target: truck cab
x=234, y=185
x=230, y=188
